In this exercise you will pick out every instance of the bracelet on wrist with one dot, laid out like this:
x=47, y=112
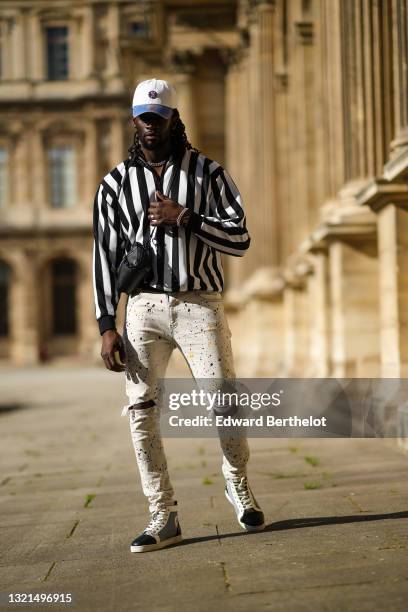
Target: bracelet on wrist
x=181, y=215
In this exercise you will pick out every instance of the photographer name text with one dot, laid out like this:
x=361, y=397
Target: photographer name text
x=260, y=421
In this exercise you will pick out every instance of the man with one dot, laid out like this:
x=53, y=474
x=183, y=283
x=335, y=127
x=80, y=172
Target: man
x=180, y=304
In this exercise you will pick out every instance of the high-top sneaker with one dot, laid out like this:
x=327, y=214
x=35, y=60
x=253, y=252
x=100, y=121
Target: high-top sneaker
x=162, y=530
x=249, y=514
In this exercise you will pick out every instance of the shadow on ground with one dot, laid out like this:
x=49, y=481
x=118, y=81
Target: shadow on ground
x=12, y=407
x=301, y=523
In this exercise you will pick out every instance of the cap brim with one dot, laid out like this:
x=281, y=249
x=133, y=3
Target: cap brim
x=163, y=111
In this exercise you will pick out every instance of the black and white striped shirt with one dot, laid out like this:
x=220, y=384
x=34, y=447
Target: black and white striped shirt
x=183, y=259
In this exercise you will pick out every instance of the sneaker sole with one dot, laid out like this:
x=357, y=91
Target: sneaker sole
x=243, y=525
x=148, y=547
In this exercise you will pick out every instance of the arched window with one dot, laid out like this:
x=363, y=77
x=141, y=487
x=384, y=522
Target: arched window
x=64, y=283
x=5, y=278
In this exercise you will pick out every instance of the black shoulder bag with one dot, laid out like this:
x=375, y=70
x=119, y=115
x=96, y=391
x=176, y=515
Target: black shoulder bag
x=137, y=263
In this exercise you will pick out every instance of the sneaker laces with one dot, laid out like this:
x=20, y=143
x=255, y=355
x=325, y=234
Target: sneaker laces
x=243, y=493
x=158, y=521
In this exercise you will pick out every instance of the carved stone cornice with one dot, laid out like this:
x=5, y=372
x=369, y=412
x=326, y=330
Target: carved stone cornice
x=265, y=284
x=293, y=281
x=15, y=127
x=298, y=267
x=340, y=222
x=346, y=224
x=231, y=56
x=258, y=3
x=379, y=193
x=313, y=244
x=397, y=167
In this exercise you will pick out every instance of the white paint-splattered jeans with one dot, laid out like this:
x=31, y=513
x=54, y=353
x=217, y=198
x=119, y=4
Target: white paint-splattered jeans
x=156, y=323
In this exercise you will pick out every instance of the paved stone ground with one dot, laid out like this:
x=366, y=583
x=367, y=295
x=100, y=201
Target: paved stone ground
x=337, y=511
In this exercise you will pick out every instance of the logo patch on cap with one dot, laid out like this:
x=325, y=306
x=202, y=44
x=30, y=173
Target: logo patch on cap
x=152, y=94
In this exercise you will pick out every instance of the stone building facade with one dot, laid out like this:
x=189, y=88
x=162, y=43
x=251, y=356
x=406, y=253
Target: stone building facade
x=317, y=107
x=306, y=104
x=68, y=69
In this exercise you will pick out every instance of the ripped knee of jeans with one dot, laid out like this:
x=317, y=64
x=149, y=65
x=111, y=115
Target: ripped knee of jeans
x=138, y=406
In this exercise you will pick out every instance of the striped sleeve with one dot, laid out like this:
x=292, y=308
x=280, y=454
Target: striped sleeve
x=107, y=249
x=225, y=227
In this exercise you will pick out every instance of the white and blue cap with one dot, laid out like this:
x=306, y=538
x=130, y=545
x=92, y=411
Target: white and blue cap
x=154, y=96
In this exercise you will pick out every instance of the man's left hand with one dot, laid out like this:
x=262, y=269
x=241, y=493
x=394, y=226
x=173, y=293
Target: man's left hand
x=164, y=211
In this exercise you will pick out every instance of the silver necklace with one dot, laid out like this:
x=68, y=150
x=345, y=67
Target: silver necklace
x=155, y=164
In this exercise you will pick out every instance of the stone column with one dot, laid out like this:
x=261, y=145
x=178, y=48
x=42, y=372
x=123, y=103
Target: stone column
x=6, y=62
x=39, y=170
x=232, y=95
x=332, y=68
x=16, y=308
x=91, y=173
x=253, y=178
x=246, y=180
x=394, y=91
x=88, y=42
x=267, y=251
x=25, y=333
x=296, y=328
x=255, y=101
x=365, y=85
x=257, y=323
x=35, y=48
x=21, y=170
x=257, y=336
x=390, y=202
x=377, y=85
x=271, y=340
x=117, y=149
x=393, y=248
x=283, y=168
x=354, y=293
x=268, y=341
x=184, y=67
x=280, y=136
x=353, y=110
x=113, y=21
x=18, y=47
x=319, y=305
x=302, y=132
x=400, y=67
x=87, y=326
x=236, y=155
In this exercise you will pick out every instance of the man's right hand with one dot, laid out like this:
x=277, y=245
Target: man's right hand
x=111, y=343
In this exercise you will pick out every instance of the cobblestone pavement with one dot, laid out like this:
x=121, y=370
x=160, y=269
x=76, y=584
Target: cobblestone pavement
x=337, y=511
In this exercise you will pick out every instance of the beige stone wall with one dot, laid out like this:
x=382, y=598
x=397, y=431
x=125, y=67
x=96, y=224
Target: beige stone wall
x=337, y=164
x=90, y=112
x=306, y=105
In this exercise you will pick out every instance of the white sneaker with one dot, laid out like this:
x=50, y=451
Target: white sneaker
x=249, y=514
x=162, y=530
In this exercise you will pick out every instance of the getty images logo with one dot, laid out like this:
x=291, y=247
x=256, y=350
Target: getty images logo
x=253, y=401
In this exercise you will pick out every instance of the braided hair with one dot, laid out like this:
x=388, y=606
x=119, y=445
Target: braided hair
x=178, y=138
